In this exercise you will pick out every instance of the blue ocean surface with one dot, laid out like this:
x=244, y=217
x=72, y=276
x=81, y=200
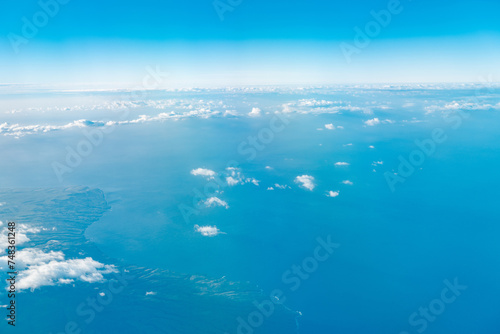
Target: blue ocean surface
x=350, y=209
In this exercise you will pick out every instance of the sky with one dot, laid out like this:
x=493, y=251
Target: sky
x=238, y=42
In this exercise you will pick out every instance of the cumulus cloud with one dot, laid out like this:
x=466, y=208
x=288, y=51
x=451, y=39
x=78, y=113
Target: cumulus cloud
x=208, y=231
x=376, y=163
x=330, y=126
x=372, y=122
x=21, y=235
x=215, y=201
x=332, y=193
x=151, y=293
x=21, y=130
x=305, y=181
x=342, y=163
x=38, y=268
x=234, y=177
x=209, y=174
x=347, y=182
x=255, y=112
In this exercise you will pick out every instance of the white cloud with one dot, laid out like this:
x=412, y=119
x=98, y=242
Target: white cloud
x=254, y=181
x=332, y=193
x=305, y=181
x=376, y=163
x=255, y=112
x=37, y=268
x=151, y=293
x=270, y=188
x=282, y=186
x=347, y=182
x=371, y=146
x=330, y=126
x=21, y=237
x=341, y=163
x=204, y=172
x=208, y=231
x=215, y=201
x=236, y=177
x=372, y=122
x=231, y=181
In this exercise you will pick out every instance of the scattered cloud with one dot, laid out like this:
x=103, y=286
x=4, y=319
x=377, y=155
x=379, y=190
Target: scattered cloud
x=255, y=112
x=347, y=182
x=305, y=181
x=332, y=193
x=214, y=202
x=208, y=231
x=234, y=177
x=341, y=163
x=209, y=174
x=372, y=122
x=38, y=268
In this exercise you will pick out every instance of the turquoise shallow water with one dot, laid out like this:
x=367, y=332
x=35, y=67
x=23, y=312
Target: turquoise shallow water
x=395, y=251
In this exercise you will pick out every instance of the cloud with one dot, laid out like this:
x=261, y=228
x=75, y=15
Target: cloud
x=21, y=237
x=330, y=126
x=341, y=163
x=20, y=130
x=255, y=112
x=236, y=177
x=305, y=181
x=209, y=174
x=372, y=122
x=347, y=182
x=215, y=201
x=371, y=146
x=254, y=181
x=151, y=293
x=332, y=193
x=376, y=163
x=279, y=186
x=38, y=268
x=208, y=231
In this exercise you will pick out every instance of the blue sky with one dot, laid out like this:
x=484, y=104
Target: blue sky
x=257, y=42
